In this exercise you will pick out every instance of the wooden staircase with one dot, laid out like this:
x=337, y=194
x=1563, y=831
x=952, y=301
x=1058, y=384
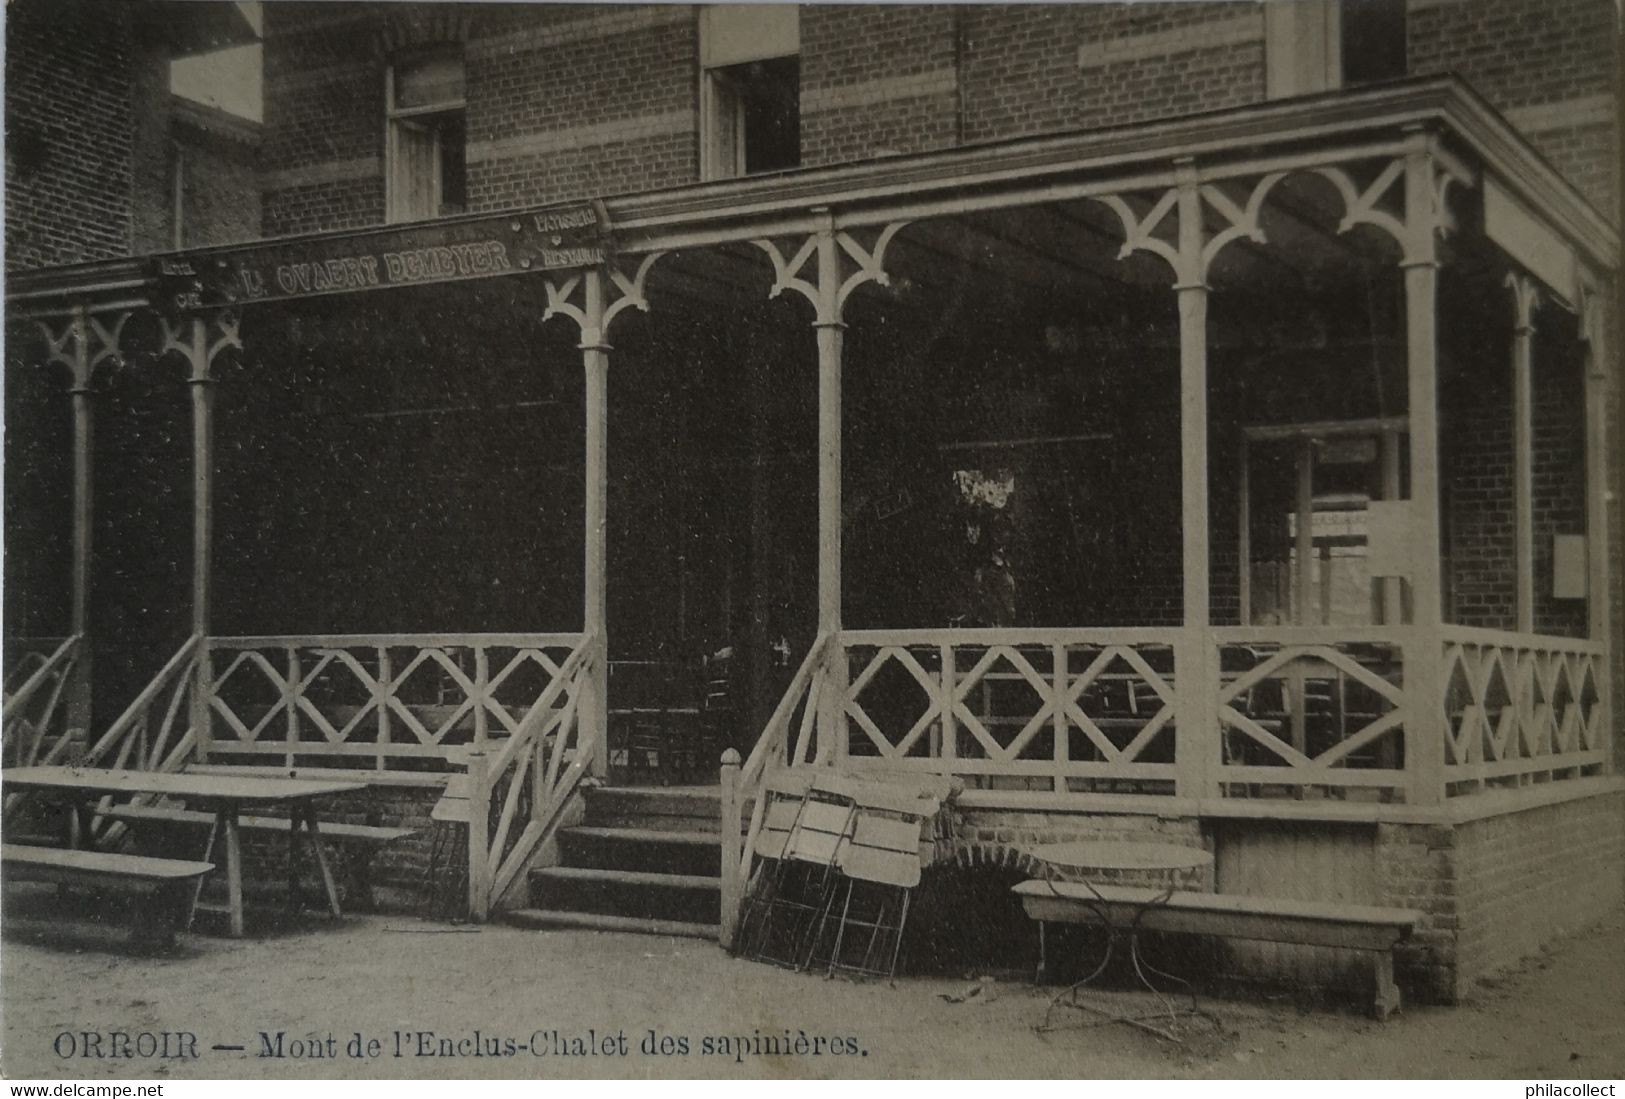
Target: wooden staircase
x=645, y=859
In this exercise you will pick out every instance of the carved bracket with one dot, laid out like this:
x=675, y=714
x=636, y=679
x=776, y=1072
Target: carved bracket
x=1593, y=308
x=870, y=262
x=786, y=273
x=1525, y=299
x=595, y=329
x=1243, y=220
x=1139, y=233
x=83, y=344
x=869, y=266
x=1414, y=230
x=190, y=337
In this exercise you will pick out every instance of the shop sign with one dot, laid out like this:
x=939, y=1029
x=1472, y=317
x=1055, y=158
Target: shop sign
x=546, y=240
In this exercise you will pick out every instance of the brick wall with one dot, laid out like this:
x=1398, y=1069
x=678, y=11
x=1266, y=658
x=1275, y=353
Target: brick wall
x=1476, y=464
x=563, y=102
x=323, y=143
x=1526, y=879
x=1547, y=64
x=878, y=80
x=220, y=187
x=1491, y=892
x=566, y=101
x=987, y=837
x=1036, y=69
x=68, y=131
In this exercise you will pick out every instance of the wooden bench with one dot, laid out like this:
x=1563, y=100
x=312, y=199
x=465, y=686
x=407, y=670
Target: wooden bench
x=367, y=837
x=172, y=882
x=1366, y=928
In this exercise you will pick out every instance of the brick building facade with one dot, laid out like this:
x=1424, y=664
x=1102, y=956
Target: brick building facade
x=90, y=153
x=566, y=102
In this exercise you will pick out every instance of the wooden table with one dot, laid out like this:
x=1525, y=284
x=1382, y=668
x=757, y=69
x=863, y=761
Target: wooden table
x=224, y=795
x=1076, y=860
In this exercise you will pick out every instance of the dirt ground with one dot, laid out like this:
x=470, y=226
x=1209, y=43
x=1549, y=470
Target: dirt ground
x=1562, y=1015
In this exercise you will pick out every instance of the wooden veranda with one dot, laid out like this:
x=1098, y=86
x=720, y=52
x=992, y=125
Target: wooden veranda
x=1225, y=708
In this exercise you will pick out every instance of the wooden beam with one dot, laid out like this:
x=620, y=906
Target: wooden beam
x=1525, y=296
x=1304, y=517
x=1424, y=657
x=830, y=330
x=595, y=366
x=1393, y=595
x=1196, y=663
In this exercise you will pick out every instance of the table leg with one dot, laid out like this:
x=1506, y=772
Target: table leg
x=293, y=865
x=234, y=869
x=197, y=883
x=320, y=856
x=76, y=825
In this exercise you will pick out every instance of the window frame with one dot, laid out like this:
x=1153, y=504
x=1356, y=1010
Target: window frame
x=1297, y=30
x=396, y=117
x=722, y=133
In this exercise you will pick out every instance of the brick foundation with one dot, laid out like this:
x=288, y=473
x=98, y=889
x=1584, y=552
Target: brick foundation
x=1492, y=891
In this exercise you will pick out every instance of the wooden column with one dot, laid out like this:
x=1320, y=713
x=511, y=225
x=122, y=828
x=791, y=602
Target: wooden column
x=1424, y=732
x=1599, y=396
x=831, y=330
x=202, y=386
x=1304, y=533
x=1525, y=297
x=595, y=363
x=1393, y=590
x=190, y=338
x=1196, y=670
x=80, y=346
x=79, y=700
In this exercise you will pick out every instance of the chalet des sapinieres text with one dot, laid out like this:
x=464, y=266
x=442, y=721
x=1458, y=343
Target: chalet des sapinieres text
x=540, y=1045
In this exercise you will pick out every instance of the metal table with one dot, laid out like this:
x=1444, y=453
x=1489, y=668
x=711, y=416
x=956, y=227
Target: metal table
x=1076, y=861
x=225, y=795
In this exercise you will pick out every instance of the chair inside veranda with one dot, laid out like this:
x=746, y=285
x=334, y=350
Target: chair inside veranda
x=669, y=719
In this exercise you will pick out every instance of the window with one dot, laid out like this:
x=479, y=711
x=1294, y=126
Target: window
x=1373, y=40
x=1319, y=45
x=750, y=94
x=426, y=168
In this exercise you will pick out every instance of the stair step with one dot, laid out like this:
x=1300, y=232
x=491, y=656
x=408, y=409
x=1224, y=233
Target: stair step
x=687, y=837
x=642, y=878
x=657, y=850
x=595, y=921
x=641, y=893
x=703, y=802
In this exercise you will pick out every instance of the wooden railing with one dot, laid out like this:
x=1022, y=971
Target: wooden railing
x=154, y=733
x=1520, y=708
x=401, y=706
x=37, y=675
x=1310, y=709
x=522, y=785
x=788, y=739
x=1049, y=711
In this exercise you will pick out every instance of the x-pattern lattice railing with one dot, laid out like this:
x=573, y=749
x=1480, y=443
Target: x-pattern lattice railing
x=1311, y=707
x=1059, y=704
x=1515, y=706
x=391, y=697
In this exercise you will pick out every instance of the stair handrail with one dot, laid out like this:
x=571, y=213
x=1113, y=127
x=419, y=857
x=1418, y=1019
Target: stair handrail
x=129, y=730
x=132, y=734
x=535, y=752
x=745, y=784
x=55, y=669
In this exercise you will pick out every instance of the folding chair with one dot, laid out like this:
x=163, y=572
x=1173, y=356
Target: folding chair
x=804, y=826
x=879, y=865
